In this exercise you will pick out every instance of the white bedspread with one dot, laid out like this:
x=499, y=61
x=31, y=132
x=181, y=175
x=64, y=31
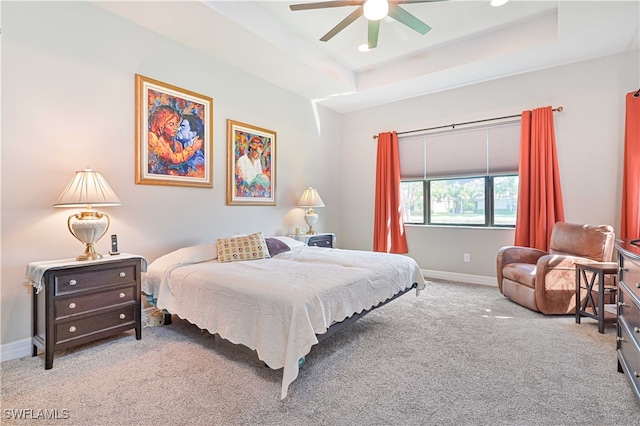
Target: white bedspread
x=276, y=306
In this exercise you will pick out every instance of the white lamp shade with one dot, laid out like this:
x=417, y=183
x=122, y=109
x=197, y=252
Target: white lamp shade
x=310, y=198
x=87, y=188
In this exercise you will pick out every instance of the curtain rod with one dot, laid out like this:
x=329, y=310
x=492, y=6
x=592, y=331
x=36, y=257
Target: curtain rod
x=453, y=126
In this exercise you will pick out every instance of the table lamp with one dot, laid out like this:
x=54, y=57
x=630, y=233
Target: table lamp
x=310, y=199
x=88, y=189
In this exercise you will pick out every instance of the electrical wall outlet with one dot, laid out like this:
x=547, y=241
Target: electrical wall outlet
x=467, y=257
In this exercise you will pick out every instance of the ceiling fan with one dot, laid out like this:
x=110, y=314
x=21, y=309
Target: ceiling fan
x=374, y=11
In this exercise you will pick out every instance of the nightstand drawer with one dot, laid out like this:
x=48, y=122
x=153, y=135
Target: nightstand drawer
x=93, y=278
x=77, y=329
x=629, y=351
x=629, y=311
x=82, y=303
x=321, y=241
x=630, y=274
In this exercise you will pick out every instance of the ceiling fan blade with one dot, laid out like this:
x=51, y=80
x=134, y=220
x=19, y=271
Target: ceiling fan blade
x=374, y=30
x=343, y=24
x=401, y=15
x=325, y=4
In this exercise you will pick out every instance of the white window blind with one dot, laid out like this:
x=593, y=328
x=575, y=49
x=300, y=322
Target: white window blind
x=475, y=151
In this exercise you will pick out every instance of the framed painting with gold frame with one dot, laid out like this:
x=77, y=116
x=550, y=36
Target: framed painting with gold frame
x=251, y=165
x=174, y=135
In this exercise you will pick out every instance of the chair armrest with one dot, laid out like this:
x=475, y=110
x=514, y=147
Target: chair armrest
x=556, y=282
x=558, y=271
x=561, y=261
x=515, y=254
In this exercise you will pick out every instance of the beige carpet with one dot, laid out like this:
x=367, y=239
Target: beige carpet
x=458, y=354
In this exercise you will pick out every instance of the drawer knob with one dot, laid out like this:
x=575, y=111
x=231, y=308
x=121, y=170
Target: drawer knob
x=635, y=374
x=122, y=316
x=121, y=295
x=637, y=285
x=122, y=274
x=72, y=329
x=636, y=329
x=72, y=305
x=73, y=282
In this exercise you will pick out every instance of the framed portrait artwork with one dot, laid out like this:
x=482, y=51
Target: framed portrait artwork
x=174, y=135
x=251, y=165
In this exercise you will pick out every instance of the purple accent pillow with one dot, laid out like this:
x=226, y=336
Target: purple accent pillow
x=276, y=246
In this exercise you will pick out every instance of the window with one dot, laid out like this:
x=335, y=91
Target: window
x=457, y=201
x=505, y=200
x=461, y=176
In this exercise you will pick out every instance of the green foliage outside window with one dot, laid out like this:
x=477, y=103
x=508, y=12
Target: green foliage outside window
x=473, y=201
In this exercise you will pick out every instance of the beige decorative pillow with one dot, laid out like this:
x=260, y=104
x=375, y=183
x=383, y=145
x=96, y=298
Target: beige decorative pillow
x=248, y=247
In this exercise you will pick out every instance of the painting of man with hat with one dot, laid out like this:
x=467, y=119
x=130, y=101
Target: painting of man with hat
x=253, y=164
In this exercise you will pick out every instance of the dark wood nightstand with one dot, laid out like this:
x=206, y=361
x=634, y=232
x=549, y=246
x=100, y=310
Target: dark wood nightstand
x=81, y=302
x=325, y=240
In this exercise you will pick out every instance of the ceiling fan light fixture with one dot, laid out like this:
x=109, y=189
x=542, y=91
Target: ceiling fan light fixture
x=374, y=10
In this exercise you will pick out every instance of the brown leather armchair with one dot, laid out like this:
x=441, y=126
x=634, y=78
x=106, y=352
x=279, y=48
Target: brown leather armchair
x=546, y=281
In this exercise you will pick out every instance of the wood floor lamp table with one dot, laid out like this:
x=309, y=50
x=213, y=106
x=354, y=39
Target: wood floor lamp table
x=590, y=277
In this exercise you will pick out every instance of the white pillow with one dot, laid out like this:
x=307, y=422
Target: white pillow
x=290, y=241
x=186, y=255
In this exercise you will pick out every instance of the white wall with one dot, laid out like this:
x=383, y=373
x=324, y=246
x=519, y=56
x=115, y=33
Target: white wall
x=68, y=102
x=589, y=136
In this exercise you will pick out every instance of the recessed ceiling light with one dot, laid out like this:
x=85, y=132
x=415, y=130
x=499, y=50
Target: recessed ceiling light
x=363, y=47
x=496, y=3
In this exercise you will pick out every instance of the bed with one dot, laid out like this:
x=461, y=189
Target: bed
x=281, y=301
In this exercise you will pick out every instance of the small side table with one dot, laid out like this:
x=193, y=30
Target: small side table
x=326, y=240
x=77, y=302
x=595, y=282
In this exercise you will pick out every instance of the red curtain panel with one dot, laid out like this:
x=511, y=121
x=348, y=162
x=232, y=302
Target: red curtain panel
x=388, y=232
x=630, y=221
x=540, y=203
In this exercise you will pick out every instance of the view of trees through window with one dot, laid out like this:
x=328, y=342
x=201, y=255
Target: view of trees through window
x=475, y=201
x=458, y=201
x=505, y=200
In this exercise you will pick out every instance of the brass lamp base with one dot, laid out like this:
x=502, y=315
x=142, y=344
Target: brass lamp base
x=88, y=227
x=89, y=253
x=311, y=217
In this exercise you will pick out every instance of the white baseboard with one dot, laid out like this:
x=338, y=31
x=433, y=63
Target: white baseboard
x=17, y=349
x=465, y=278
